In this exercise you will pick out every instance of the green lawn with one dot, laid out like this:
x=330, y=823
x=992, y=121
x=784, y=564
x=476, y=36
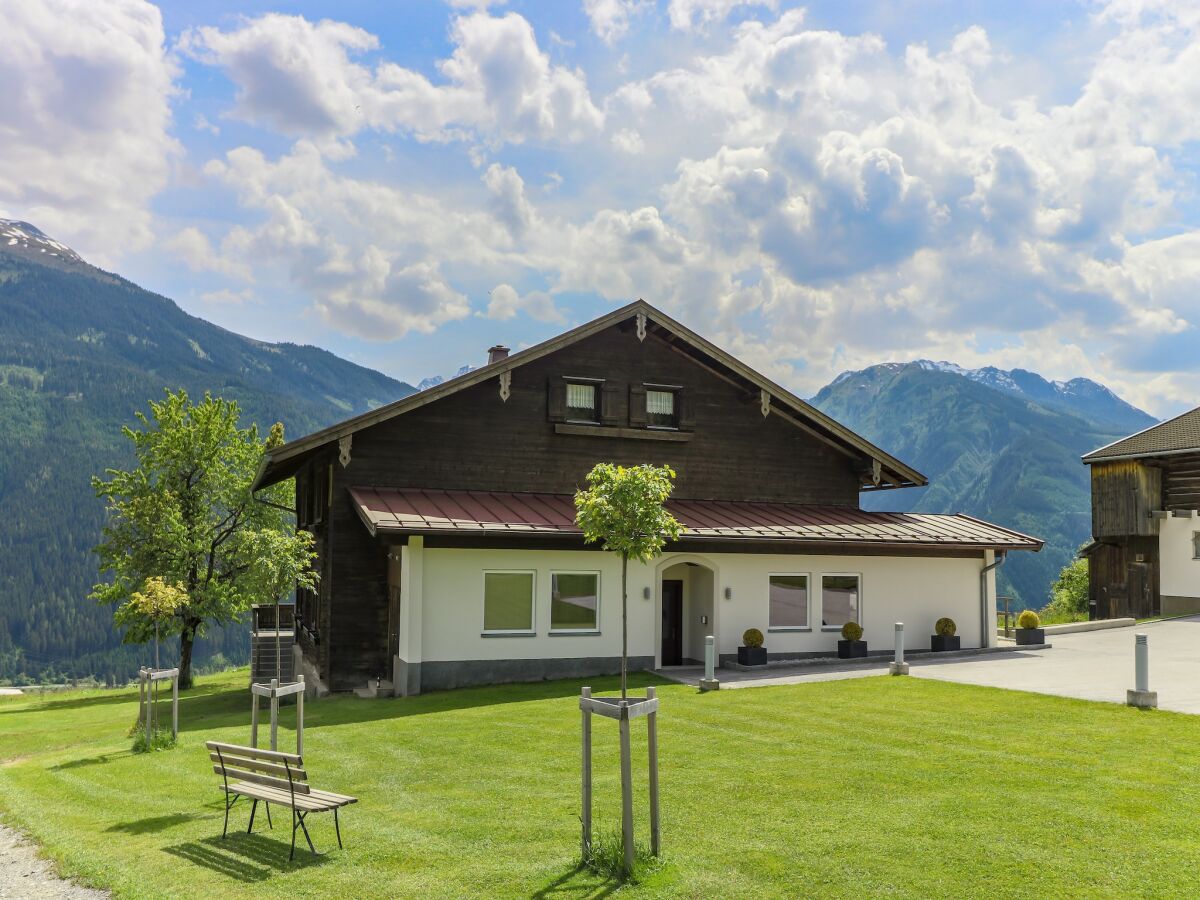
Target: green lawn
x=874, y=786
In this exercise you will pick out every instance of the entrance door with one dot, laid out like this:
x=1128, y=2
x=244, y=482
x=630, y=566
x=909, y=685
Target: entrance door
x=672, y=623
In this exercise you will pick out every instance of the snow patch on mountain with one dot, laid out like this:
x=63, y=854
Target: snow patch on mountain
x=31, y=239
x=435, y=380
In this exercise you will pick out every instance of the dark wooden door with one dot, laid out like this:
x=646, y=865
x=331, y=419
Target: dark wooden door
x=1140, y=604
x=393, y=622
x=672, y=623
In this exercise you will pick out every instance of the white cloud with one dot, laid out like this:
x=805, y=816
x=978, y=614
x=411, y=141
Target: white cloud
x=302, y=79
x=85, y=119
x=504, y=303
x=687, y=15
x=609, y=19
x=196, y=250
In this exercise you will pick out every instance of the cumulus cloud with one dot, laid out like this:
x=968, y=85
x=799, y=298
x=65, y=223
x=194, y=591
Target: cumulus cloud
x=307, y=79
x=686, y=15
x=609, y=19
x=504, y=303
x=84, y=123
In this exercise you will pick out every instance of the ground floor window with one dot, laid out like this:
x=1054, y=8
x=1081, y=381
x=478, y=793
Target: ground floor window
x=574, y=601
x=788, y=606
x=508, y=602
x=840, y=600
x=1196, y=544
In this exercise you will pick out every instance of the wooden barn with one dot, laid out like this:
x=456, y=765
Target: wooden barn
x=449, y=555
x=1144, y=558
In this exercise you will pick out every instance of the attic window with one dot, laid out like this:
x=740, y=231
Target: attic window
x=660, y=409
x=581, y=402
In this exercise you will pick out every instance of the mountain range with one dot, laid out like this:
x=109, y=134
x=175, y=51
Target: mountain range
x=82, y=350
x=1000, y=445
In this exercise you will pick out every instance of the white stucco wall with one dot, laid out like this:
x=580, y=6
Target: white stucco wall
x=915, y=590
x=1179, y=569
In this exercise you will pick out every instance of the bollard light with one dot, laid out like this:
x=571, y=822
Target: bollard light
x=1141, y=696
x=898, y=665
x=709, y=681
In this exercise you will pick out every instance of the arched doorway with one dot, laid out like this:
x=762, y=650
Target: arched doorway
x=685, y=589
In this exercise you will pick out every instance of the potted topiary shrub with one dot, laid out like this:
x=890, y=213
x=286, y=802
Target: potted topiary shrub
x=944, y=636
x=752, y=652
x=852, y=646
x=1029, y=630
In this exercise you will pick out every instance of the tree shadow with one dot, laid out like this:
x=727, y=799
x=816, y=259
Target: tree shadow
x=153, y=824
x=248, y=858
x=108, y=697
x=91, y=761
x=578, y=881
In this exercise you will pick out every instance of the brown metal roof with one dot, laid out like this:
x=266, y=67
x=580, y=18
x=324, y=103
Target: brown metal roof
x=1178, y=435
x=420, y=511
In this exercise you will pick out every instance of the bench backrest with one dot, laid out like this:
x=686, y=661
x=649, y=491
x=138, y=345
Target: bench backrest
x=266, y=767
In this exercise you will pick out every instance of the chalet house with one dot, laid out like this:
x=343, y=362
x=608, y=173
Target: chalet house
x=449, y=555
x=1144, y=558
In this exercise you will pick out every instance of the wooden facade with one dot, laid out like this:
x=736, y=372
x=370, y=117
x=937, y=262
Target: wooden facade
x=474, y=439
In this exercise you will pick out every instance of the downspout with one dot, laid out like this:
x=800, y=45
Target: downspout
x=1001, y=555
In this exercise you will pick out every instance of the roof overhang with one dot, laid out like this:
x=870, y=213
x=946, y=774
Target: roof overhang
x=881, y=470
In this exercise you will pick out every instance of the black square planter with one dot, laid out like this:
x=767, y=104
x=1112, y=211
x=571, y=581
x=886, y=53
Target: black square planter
x=852, y=649
x=940, y=643
x=1026, y=636
x=752, y=656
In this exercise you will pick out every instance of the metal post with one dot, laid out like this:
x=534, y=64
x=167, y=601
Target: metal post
x=175, y=707
x=300, y=721
x=652, y=747
x=586, y=817
x=142, y=709
x=1141, y=696
x=274, y=713
x=898, y=665
x=626, y=790
x=709, y=681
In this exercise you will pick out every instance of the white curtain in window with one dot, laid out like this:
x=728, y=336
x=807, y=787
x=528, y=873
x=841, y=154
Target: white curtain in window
x=660, y=403
x=581, y=396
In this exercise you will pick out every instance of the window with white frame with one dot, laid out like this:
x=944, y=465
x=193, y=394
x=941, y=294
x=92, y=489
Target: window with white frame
x=788, y=601
x=660, y=409
x=574, y=601
x=508, y=602
x=841, y=600
x=1196, y=545
x=581, y=402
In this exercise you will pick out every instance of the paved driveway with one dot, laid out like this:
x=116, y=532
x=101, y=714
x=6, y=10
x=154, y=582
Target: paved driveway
x=1091, y=665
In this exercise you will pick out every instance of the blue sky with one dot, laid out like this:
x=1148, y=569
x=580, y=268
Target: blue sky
x=815, y=187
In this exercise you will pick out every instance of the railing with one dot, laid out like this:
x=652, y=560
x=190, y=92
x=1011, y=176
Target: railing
x=1008, y=618
x=264, y=616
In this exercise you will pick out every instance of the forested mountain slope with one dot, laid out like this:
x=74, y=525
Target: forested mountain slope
x=1003, y=446
x=80, y=351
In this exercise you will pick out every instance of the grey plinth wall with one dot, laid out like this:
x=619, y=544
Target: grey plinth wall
x=434, y=675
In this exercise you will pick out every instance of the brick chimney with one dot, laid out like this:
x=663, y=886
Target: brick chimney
x=497, y=353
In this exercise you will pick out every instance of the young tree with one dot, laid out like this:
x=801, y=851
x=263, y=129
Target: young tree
x=623, y=508
x=284, y=564
x=1069, y=593
x=154, y=604
x=185, y=514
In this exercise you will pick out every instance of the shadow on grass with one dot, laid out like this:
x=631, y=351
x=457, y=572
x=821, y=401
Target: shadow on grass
x=154, y=824
x=109, y=697
x=248, y=858
x=579, y=881
x=91, y=761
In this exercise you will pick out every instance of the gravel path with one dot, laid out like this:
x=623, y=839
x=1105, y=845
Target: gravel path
x=25, y=874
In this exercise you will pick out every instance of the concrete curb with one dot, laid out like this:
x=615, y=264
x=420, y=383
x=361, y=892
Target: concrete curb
x=881, y=660
x=1097, y=625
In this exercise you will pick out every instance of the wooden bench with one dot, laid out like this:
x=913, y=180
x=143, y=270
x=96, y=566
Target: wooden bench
x=272, y=777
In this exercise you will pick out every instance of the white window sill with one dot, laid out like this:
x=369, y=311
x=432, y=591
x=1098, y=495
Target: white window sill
x=787, y=628
x=507, y=634
x=573, y=633
x=831, y=628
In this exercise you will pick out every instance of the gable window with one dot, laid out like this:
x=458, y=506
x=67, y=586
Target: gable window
x=660, y=409
x=840, y=600
x=788, y=607
x=574, y=602
x=581, y=402
x=508, y=603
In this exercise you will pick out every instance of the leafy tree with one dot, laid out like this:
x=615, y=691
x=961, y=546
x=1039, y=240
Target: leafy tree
x=1069, y=593
x=185, y=514
x=156, y=602
x=623, y=508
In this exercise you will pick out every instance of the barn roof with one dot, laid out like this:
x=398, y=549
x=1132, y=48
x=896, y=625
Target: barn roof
x=285, y=461
x=492, y=514
x=1178, y=435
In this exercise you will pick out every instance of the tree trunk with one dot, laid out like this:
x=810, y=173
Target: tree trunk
x=186, y=638
x=624, y=621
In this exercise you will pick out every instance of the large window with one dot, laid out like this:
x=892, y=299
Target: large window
x=660, y=409
x=841, y=600
x=574, y=601
x=508, y=602
x=581, y=402
x=1196, y=544
x=788, y=602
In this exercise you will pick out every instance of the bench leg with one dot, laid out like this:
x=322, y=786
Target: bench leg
x=270, y=824
x=292, y=855
x=304, y=828
x=298, y=825
x=228, y=806
x=253, y=810
x=337, y=827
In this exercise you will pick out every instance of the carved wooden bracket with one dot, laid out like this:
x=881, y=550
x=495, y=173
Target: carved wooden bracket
x=641, y=326
x=765, y=403
x=505, y=386
x=876, y=471
x=344, y=450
